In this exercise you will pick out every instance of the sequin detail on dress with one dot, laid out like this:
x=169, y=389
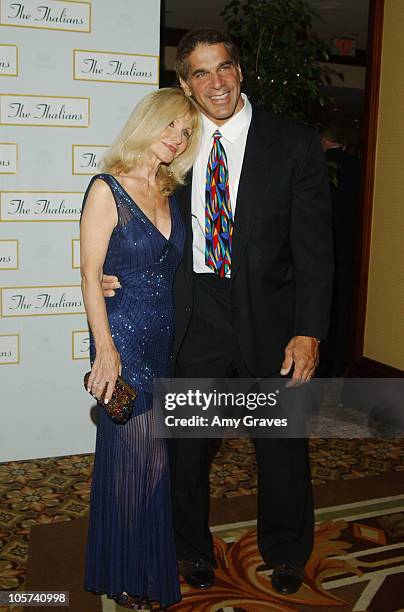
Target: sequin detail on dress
x=130, y=545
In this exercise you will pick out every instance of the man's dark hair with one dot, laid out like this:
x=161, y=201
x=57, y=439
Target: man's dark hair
x=193, y=39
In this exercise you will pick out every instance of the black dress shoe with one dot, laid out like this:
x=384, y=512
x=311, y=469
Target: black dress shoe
x=287, y=578
x=198, y=573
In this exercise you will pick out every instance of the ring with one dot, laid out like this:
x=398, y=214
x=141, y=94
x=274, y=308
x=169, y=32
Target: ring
x=95, y=382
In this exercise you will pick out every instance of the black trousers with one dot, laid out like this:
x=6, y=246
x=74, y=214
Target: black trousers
x=285, y=505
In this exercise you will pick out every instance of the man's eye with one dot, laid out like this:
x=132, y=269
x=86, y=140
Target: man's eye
x=225, y=67
x=200, y=74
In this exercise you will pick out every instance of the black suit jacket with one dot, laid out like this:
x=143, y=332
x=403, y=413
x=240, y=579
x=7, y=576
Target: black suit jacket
x=282, y=262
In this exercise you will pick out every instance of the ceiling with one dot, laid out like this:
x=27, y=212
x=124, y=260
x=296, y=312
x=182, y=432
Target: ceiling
x=338, y=17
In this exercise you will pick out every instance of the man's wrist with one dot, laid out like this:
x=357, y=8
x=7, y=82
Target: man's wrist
x=311, y=337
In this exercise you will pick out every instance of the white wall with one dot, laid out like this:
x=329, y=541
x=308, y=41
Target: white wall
x=61, y=103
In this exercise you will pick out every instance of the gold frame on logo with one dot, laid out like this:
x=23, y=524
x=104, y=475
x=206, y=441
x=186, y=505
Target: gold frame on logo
x=157, y=57
x=73, y=266
x=18, y=252
x=19, y=95
x=36, y=220
x=16, y=59
x=17, y=157
x=18, y=350
x=79, y=331
x=55, y=314
x=12, y=25
x=85, y=145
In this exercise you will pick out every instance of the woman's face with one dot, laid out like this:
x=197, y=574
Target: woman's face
x=173, y=140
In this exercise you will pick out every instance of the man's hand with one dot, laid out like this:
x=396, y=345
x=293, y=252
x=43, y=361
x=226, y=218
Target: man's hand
x=109, y=284
x=302, y=354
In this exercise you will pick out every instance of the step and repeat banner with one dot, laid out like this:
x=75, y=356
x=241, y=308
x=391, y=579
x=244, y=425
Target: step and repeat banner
x=70, y=73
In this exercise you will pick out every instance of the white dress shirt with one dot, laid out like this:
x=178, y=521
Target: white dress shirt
x=234, y=136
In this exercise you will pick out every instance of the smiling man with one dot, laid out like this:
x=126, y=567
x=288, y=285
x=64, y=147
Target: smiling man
x=252, y=296
x=212, y=76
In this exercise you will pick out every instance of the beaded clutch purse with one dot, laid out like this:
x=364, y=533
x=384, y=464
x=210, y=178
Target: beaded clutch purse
x=119, y=407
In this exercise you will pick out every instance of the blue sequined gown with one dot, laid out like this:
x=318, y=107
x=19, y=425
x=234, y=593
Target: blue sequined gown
x=130, y=544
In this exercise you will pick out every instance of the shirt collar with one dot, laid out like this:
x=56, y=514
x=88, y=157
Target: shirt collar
x=233, y=128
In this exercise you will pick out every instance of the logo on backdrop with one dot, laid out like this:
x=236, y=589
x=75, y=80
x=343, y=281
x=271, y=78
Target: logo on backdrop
x=86, y=158
x=41, y=301
x=75, y=253
x=8, y=158
x=9, y=254
x=49, y=14
x=115, y=67
x=8, y=60
x=40, y=205
x=9, y=348
x=81, y=344
x=48, y=111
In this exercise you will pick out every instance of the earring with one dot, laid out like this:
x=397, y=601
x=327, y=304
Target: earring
x=170, y=173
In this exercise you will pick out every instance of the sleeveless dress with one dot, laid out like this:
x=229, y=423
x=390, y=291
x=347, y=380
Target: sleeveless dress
x=130, y=547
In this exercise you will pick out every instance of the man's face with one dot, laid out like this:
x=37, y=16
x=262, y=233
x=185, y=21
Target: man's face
x=326, y=143
x=214, y=81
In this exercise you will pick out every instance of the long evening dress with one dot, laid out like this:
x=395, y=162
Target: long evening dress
x=130, y=546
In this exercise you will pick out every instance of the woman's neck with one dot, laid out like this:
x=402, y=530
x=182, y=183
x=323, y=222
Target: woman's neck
x=145, y=170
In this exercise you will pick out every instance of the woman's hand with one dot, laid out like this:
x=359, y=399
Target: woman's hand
x=109, y=284
x=105, y=371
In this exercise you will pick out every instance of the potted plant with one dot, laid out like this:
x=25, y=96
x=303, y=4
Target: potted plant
x=280, y=55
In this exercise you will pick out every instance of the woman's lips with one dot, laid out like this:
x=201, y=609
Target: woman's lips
x=172, y=148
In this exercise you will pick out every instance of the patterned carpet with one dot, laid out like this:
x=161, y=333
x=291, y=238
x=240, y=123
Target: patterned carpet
x=46, y=491
x=357, y=564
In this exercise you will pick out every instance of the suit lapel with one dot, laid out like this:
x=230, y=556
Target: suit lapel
x=183, y=196
x=253, y=187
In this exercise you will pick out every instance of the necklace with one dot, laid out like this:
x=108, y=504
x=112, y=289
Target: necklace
x=148, y=189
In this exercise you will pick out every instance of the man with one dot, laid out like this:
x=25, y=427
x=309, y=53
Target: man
x=345, y=202
x=252, y=295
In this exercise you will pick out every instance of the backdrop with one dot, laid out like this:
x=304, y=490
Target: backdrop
x=71, y=72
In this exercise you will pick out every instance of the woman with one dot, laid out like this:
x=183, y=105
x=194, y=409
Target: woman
x=131, y=227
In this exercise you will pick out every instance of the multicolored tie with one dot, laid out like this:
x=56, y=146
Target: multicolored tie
x=218, y=213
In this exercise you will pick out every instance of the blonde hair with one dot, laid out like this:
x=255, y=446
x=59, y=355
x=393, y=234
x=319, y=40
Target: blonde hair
x=146, y=122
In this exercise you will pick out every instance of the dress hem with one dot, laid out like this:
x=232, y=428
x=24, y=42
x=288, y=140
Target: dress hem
x=162, y=604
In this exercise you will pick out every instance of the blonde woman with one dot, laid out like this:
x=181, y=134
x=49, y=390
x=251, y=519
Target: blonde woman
x=131, y=227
